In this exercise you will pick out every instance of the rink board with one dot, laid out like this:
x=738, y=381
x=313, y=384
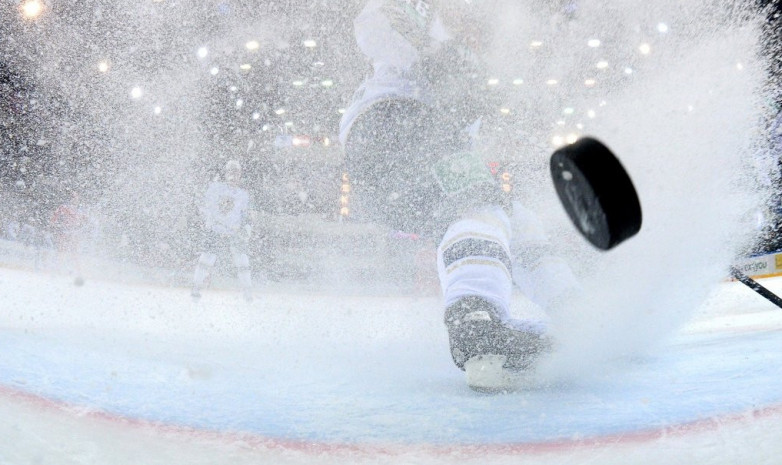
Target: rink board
x=284, y=372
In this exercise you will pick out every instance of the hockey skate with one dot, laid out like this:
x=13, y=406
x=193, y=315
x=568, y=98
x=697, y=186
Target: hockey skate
x=493, y=354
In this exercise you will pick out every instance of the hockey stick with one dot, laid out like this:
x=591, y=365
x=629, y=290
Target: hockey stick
x=755, y=286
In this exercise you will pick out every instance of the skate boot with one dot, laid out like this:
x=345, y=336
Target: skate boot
x=489, y=349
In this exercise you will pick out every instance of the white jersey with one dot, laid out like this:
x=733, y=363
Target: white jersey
x=394, y=34
x=225, y=207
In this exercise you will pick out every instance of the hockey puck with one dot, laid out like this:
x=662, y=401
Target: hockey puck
x=597, y=192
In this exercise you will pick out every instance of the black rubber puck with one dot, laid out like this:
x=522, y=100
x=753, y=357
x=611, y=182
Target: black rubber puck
x=597, y=192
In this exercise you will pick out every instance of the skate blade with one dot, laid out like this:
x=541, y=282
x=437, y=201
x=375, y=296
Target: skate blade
x=485, y=374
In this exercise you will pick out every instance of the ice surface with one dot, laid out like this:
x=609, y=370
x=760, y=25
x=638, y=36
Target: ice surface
x=112, y=373
x=646, y=372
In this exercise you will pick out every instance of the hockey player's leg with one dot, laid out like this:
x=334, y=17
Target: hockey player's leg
x=242, y=263
x=475, y=271
x=204, y=265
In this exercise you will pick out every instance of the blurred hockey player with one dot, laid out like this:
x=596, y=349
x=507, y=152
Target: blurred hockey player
x=410, y=146
x=226, y=230
x=68, y=223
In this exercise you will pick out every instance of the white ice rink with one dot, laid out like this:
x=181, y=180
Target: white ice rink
x=664, y=362
x=113, y=373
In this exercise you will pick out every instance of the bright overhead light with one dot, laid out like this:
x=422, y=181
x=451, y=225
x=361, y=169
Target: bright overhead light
x=214, y=71
x=103, y=66
x=245, y=66
x=602, y=64
x=327, y=83
x=256, y=115
x=505, y=111
x=590, y=82
x=557, y=141
x=341, y=111
x=568, y=111
x=662, y=28
x=239, y=103
x=136, y=92
x=591, y=113
x=309, y=43
x=645, y=49
x=298, y=83
x=594, y=43
x=628, y=70
x=536, y=43
x=571, y=138
x=157, y=110
x=518, y=82
x=252, y=45
x=31, y=9
x=288, y=124
x=552, y=82
x=279, y=111
x=493, y=81
x=202, y=52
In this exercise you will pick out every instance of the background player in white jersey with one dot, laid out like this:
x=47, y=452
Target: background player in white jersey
x=415, y=167
x=226, y=229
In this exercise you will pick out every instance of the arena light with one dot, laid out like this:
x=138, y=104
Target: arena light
x=344, y=198
x=136, y=93
x=506, y=186
x=252, y=45
x=645, y=49
x=309, y=43
x=103, y=66
x=662, y=28
x=31, y=9
x=518, y=82
x=327, y=83
x=245, y=66
x=202, y=52
x=602, y=64
x=593, y=43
